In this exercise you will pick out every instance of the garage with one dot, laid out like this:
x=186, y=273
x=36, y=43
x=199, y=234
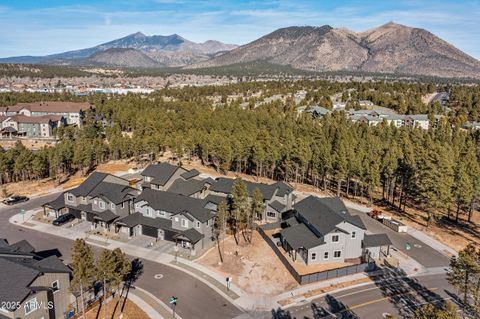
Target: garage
x=149, y=231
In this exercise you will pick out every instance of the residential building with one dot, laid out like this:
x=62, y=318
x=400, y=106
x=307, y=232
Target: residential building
x=73, y=112
x=35, y=127
x=322, y=231
x=471, y=125
x=278, y=197
x=169, y=216
x=315, y=111
x=32, y=286
x=161, y=176
x=100, y=199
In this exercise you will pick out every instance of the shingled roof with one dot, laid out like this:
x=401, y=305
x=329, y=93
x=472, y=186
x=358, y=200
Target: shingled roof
x=225, y=185
x=160, y=172
x=175, y=204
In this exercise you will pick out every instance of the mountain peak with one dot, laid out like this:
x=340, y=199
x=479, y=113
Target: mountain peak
x=137, y=35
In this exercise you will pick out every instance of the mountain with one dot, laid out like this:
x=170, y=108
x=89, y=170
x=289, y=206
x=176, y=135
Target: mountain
x=391, y=48
x=153, y=45
x=122, y=57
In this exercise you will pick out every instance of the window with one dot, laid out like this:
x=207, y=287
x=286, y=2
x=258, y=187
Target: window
x=354, y=234
x=112, y=205
x=123, y=205
x=337, y=254
x=95, y=201
x=101, y=204
x=176, y=219
x=70, y=198
x=55, y=286
x=314, y=256
x=325, y=255
x=198, y=224
x=184, y=222
x=148, y=212
x=335, y=239
x=30, y=306
x=271, y=214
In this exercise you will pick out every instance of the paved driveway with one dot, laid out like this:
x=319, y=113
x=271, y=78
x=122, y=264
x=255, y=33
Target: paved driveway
x=421, y=252
x=143, y=241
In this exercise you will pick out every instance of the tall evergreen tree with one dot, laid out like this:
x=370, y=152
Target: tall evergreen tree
x=83, y=269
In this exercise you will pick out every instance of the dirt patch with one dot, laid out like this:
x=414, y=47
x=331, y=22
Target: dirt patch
x=27, y=187
x=114, y=167
x=30, y=144
x=255, y=268
x=130, y=311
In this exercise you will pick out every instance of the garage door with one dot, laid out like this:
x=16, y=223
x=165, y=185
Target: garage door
x=168, y=235
x=149, y=231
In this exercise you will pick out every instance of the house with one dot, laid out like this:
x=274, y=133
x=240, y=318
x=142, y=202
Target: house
x=38, y=126
x=32, y=286
x=169, y=216
x=416, y=120
x=100, y=199
x=161, y=176
x=73, y=112
x=369, y=119
x=278, y=197
x=322, y=231
x=317, y=111
x=471, y=125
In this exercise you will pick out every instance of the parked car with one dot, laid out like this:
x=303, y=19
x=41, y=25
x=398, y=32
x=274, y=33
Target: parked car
x=63, y=219
x=15, y=200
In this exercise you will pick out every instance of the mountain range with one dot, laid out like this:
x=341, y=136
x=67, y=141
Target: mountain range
x=390, y=48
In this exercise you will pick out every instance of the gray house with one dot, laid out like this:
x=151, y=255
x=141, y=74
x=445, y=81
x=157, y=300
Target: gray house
x=169, y=216
x=161, y=176
x=100, y=199
x=278, y=197
x=32, y=286
x=323, y=231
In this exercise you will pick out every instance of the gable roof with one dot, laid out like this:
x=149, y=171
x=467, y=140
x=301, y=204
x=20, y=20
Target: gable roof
x=175, y=203
x=89, y=184
x=225, y=185
x=187, y=187
x=115, y=193
x=52, y=106
x=190, y=174
x=376, y=240
x=19, y=269
x=160, y=173
x=300, y=235
x=324, y=214
x=279, y=207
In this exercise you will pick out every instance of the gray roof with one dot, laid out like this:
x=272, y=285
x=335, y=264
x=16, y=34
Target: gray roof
x=9, y=129
x=23, y=246
x=325, y=213
x=215, y=199
x=19, y=270
x=160, y=173
x=175, y=203
x=89, y=184
x=225, y=185
x=135, y=219
x=299, y=236
x=190, y=174
x=283, y=189
x=115, y=193
x=376, y=240
x=191, y=234
x=187, y=187
x=320, y=110
x=58, y=203
x=106, y=216
x=279, y=207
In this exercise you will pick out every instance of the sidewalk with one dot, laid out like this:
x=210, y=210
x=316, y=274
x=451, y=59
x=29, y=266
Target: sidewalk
x=210, y=278
x=154, y=307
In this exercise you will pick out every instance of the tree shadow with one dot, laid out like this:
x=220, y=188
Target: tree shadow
x=339, y=309
x=135, y=273
x=404, y=293
x=281, y=314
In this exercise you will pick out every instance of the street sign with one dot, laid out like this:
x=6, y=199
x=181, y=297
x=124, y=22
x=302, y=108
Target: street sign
x=173, y=300
x=408, y=246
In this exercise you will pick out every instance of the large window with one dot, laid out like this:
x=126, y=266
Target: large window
x=55, y=286
x=335, y=239
x=325, y=255
x=30, y=306
x=101, y=204
x=271, y=214
x=337, y=254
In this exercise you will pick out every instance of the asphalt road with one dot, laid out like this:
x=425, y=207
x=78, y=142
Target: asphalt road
x=195, y=299
x=399, y=297
x=421, y=252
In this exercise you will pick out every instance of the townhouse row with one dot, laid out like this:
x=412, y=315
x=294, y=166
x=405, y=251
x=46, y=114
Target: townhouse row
x=170, y=203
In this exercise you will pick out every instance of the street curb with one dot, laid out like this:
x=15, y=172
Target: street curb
x=212, y=286
x=161, y=303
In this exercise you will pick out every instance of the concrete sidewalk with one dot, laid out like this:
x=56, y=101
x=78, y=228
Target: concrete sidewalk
x=152, y=306
x=210, y=278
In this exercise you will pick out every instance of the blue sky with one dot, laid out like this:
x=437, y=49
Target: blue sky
x=43, y=27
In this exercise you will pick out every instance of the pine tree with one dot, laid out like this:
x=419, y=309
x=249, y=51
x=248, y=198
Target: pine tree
x=104, y=270
x=83, y=269
x=219, y=225
x=239, y=197
x=121, y=268
x=430, y=311
x=258, y=206
x=463, y=270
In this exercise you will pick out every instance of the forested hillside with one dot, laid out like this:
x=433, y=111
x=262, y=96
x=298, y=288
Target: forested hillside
x=436, y=169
